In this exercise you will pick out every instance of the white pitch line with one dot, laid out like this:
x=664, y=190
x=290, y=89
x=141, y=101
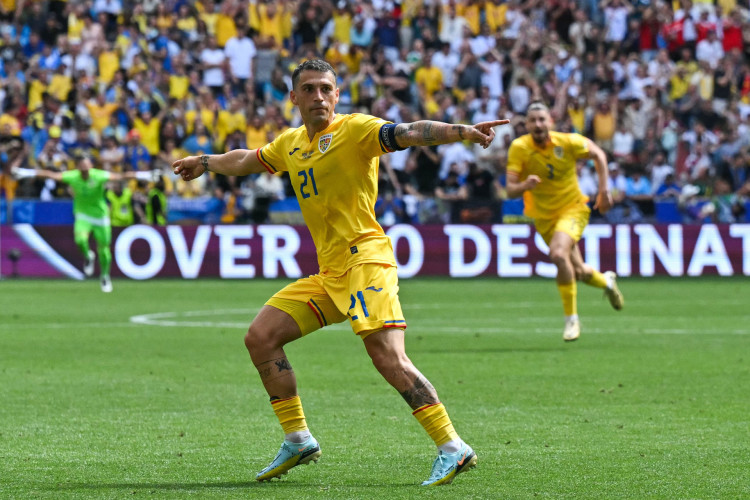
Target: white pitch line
x=64, y=326
x=172, y=319
x=186, y=319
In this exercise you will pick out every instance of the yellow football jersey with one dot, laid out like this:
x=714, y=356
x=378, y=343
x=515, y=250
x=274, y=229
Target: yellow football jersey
x=555, y=165
x=335, y=177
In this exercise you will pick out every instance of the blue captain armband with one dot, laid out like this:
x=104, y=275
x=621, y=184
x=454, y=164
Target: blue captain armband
x=388, y=137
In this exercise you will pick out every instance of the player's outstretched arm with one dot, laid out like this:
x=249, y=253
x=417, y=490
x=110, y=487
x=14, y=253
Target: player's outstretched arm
x=28, y=173
x=236, y=162
x=603, y=198
x=141, y=175
x=430, y=133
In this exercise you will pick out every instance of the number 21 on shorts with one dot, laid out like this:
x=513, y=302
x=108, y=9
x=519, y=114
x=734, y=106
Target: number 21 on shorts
x=361, y=298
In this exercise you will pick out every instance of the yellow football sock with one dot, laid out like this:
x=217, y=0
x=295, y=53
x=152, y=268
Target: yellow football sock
x=436, y=422
x=290, y=414
x=568, y=294
x=597, y=280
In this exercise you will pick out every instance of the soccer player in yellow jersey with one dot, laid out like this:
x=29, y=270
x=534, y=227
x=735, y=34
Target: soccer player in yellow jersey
x=542, y=167
x=332, y=161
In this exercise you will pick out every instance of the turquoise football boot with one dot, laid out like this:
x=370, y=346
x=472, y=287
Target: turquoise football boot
x=448, y=465
x=290, y=455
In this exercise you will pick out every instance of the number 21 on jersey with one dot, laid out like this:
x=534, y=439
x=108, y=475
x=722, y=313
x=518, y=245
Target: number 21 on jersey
x=307, y=176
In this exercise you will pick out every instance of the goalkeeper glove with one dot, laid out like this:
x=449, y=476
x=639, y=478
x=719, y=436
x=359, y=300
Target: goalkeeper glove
x=19, y=173
x=148, y=175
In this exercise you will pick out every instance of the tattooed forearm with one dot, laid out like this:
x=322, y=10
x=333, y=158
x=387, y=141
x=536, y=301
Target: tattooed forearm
x=274, y=369
x=420, y=393
x=428, y=133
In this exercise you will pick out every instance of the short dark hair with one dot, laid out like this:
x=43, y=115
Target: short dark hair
x=318, y=65
x=537, y=106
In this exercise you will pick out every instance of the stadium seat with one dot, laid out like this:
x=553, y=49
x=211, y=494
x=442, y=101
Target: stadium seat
x=38, y=212
x=513, y=206
x=286, y=211
x=667, y=211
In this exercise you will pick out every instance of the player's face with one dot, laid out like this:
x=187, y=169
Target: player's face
x=538, y=124
x=316, y=96
x=84, y=166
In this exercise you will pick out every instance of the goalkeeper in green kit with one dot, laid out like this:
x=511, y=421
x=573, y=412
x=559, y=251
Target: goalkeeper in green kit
x=90, y=209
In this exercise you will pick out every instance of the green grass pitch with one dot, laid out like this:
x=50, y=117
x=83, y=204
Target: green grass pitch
x=149, y=392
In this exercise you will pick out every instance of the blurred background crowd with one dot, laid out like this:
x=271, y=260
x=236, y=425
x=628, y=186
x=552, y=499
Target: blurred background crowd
x=662, y=86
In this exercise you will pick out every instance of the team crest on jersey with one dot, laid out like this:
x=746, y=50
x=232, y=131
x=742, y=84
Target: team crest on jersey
x=558, y=151
x=325, y=142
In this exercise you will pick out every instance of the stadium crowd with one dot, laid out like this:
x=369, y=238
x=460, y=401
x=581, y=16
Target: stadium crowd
x=662, y=86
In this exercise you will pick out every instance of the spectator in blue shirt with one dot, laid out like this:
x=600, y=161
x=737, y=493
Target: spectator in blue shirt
x=137, y=156
x=198, y=142
x=637, y=186
x=362, y=31
x=83, y=146
x=33, y=47
x=668, y=189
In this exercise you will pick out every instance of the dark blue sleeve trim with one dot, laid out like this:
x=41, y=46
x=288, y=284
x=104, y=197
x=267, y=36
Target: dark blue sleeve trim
x=388, y=138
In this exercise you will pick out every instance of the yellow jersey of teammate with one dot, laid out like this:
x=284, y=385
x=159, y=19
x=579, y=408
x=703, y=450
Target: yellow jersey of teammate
x=335, y=177
x=555, y=165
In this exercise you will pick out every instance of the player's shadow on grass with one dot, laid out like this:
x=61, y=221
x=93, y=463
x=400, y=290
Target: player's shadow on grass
x=156, y=486
x=500, y=350
x=231, y=485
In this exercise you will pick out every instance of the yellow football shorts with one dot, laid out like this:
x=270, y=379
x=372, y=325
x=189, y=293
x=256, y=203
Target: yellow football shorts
x=367, y=294
x=571, y=221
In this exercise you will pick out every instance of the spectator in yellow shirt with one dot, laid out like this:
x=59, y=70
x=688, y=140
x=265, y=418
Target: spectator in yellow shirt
x=679, y=84
x=148, y=126
x=37, y=87
x=60, y=83
x=7, y=10
x=206, y=111
x=225, y=25
x=335, y=53
x=429, y=79
x=164, y=18
x=494, y=14
x=187, y=23
x=179, y=81
x=256, y=135
x=342, y=23
x=604, y=123
x=100, y=111
x=109, y=63
x=9, y=124
x=207, y=13
x=75, y=21
x=270, y=21
x=471, y=11
x=229, y=120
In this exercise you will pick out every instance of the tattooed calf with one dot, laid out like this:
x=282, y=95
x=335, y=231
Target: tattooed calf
x=274, y=368
x=420, y=393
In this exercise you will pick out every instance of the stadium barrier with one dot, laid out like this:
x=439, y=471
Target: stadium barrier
x=208, y=210
x=284, y=251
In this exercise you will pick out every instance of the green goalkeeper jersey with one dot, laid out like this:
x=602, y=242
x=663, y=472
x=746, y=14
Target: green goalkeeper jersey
x=88, y=194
